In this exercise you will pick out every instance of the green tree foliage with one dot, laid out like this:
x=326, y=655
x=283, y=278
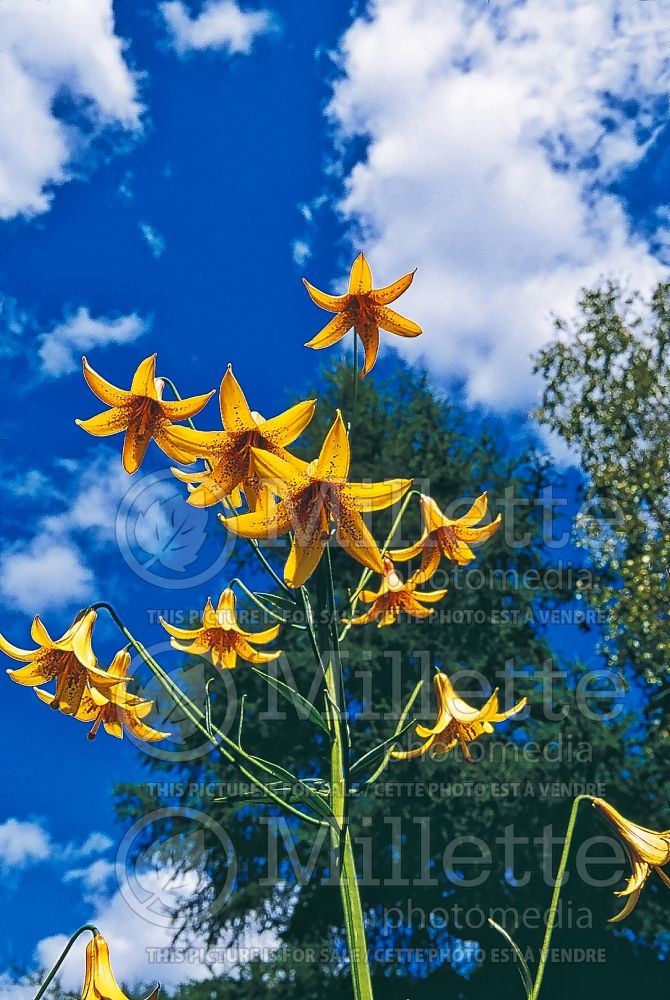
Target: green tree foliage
x=607, y=395
x=522, y=785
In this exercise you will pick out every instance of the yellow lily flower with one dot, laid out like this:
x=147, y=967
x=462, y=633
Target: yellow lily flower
x=229, y=451
x=116, y=712
x=647, y=851
x=140, y=412
x=395, y=597
x=99, y=982
x=365, y=308
x=69, y=660
x=312, y=496
x=457, y=722
x=444, y=537
x=221, y=636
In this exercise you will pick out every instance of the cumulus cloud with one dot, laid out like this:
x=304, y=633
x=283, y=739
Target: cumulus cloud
x=494, y=130
x=22, y=844
x=50, y=51
x=61, y=348
x=51, y=568
x=221, y=24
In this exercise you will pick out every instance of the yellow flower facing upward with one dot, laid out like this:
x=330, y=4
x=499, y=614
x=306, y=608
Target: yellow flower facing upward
x=647, y=851
x=457, y=722
x=221, y=636
x=116, y=711
x=444, y=537
x=99, y=981
x=396, y=597
x=70, y=661
x=365, y=309
x=229, y=451
x=313, y=496
x=140, y=412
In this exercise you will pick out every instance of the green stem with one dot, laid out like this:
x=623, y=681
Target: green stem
x=367, y=573
x=223, y=744
x=553, y=908
x=63, y=955
x=341, y=845
x=256, y=600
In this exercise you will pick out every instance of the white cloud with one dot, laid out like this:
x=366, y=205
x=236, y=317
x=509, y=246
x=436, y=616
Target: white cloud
x=221, y=24
x=51, y=568
x=22, y=844
x=50, y=50
x=61, y=348
x=94, y=877
x=44, y=574
x=154, y=239
x=493, y=131
x=301, y=252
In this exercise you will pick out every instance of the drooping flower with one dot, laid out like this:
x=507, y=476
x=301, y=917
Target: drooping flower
x=221, y=637
x=99, y=981
x=647, y=851
x=396, y=597
x=444, y=537
x=365, y=309
x=116, y=711
x=457, y=722
x=70, y=661
x=313, y=496
x=229, y=451
x=140, y=412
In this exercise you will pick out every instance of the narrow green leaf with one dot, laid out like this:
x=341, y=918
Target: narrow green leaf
x=304, y=708
x=524, y=971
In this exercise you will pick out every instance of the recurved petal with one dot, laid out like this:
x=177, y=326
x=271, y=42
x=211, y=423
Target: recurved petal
x=144, y=379
x=411, y=552
x=360, y=276
x=200, y=444
x=369, y=337
x=331, y=303
x=104, y=390
x=129, y=718
x=369, y=616
x=332, y=464
x=135, y=446
x=332, y=332
x=478, y=534
x=180, y=633
x=39, y=633
x=393, y=322
x=377, y=496
x=651, y=846
x=389, y=293
x=417, y=752
x=106, y=423
x=235, y=412
x=182, y=409
x=275, y=471
x=429, y=596
x=81, y=641
x=287, y=426
x=433, y=518
x=476, y=512
x=9, y=649
x=501, y=716
x=247, y=652
x=259, y=524
x=355, y=538
x=262, y=637
x=631, y=903
x=40, y=671
x=304, y=557
x=455, y=706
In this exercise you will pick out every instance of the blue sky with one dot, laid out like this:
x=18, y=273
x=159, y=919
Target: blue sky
x=167, y=174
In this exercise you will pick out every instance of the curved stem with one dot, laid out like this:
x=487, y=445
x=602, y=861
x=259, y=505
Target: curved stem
x=268, y=611
x=367, y=573
x=553, y=908
x=225, y=746
x=63, y=955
